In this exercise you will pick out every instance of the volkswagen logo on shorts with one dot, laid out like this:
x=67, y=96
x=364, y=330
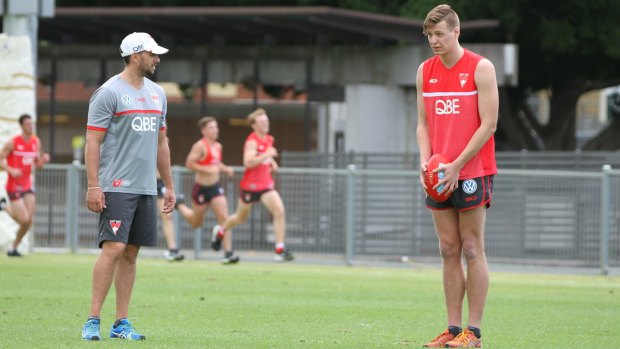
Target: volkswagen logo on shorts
x=470, y=186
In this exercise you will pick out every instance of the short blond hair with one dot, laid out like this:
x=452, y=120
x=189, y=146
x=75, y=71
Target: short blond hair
x=441, y=13
x=205, y=120
x=252, y=116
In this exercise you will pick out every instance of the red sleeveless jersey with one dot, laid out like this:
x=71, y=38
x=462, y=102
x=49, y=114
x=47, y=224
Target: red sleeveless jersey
x=451, y=104
x=22, y=157
x=211, y=158
x=258, y=178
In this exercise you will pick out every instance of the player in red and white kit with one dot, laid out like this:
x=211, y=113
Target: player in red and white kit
x=17, y=157
x=258, y=185
x=457, y=115
x=205, y=159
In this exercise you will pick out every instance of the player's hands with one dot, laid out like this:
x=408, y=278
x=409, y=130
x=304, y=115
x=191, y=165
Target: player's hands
x=42, y=160
x=272, y=152
x=14, y=172
x=228, y=170
x=423, y=168
x=450, y=180
x=274, y=166
x=169, y=201
x=95, y=200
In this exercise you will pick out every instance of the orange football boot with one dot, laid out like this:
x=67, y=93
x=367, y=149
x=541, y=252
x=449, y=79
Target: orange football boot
x=465, y=339
x=440, y=340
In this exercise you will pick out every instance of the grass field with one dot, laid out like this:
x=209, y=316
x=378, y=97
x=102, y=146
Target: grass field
x=44, y=301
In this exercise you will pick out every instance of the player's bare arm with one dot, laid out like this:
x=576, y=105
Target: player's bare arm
x=252, y=159
x=488, y=108
x=197, y=152
x=4, y=152
x=41, y=159
x=165, y=171
x=95, y=200
x=424, y=143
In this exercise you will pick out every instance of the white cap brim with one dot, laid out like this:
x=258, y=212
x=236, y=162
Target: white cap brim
x=158, y=50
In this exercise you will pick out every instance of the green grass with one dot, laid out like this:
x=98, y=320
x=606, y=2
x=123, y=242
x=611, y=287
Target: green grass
x=44, y=301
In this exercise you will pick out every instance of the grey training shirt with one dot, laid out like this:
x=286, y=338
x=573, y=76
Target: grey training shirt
x=131, y=119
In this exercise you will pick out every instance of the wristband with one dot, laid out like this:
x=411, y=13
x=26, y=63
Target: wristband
x=89, y=188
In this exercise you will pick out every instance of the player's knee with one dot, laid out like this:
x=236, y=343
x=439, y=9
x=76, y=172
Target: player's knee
x=240, y=217
x=450, y=250
x=472, y=250
x=23, y=220
x=130, y=254
x=278, y=213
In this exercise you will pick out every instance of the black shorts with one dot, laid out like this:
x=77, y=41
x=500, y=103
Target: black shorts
x=129, y=218
x=471, y=193
x=16, y=195
x=161, y=188
x=251, y=196
x=202, y=195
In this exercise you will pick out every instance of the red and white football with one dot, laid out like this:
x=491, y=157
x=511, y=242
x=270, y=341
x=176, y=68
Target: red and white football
x=431, y=179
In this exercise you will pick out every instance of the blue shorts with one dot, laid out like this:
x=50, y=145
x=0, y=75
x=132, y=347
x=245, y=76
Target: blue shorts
x=470, y=193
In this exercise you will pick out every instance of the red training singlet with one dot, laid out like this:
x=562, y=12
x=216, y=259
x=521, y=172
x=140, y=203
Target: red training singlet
x=258, y=178
x=451, y=104
x=22, y=157
x=210, y=158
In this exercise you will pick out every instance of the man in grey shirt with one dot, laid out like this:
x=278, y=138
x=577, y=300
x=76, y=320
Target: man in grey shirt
x=125, y=143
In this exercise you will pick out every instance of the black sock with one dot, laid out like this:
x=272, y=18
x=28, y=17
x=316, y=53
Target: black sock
x=93, y=317
x=173, y=250
x=455, y=330
x=118, y=322
x=228, y=254
x=475, y=330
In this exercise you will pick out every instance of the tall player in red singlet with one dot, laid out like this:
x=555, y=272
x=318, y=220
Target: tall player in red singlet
x=17, y=157
x=457, y=115
x=258, y=185
x=205, y=159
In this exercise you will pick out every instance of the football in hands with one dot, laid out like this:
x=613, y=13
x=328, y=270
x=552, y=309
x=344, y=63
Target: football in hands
x=431, y=179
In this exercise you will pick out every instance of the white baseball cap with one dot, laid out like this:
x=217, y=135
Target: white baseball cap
x=138, y=42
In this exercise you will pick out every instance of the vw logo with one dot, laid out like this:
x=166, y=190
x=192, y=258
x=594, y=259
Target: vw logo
x=126, y=99
x=470, y=186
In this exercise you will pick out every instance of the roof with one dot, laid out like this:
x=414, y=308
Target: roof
x=278, y=25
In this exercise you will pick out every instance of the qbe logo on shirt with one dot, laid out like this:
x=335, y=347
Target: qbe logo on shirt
x=447, y=106
x=144, y=123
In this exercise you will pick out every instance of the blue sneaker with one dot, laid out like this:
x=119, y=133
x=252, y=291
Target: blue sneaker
x=90, y=332
x=124, y=330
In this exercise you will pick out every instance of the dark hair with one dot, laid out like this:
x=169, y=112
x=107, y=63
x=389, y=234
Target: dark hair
x=23, y=118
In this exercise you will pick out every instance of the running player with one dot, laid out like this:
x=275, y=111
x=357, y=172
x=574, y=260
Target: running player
x=258, y=185
x=205, y=159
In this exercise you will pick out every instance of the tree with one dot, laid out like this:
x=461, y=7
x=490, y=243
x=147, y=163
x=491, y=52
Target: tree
x=566, y=47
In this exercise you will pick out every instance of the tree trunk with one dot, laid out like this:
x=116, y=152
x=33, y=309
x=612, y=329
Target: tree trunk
x=560, y=133
x=516, y=129
x=607, y=139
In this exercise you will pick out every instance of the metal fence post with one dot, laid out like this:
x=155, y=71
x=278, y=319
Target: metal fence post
x=350, y=219
x=605, y=216
x=177, y=179
x=71, y=213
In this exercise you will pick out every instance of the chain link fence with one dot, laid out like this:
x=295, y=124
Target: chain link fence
x=542, y=217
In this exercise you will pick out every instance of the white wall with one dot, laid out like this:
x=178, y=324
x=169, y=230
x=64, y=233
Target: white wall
x=380, y=119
